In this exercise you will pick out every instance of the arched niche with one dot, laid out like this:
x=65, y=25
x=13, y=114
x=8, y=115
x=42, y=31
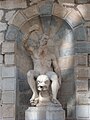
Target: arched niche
x=59, y=23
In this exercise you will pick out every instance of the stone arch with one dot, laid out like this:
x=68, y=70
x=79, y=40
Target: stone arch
x=19, y=25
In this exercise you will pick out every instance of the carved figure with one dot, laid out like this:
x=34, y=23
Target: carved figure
x=43, y=86
x=44, y=62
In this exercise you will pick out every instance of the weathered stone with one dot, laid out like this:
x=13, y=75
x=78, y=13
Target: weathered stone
x=13, y=33
x=66, y=62
x=3, y=26
x=82, y=47
x=1, y=37
x=83, y=10
x=8, y=47
x=8, y=84
x=89, y=72
x=9, y=15
x=8, y=118
x=8, y=110
x=46, y=23
x=25, y=98
x=67, y=88
x=82, y=1
x=1, y=14
x=66, y=52
x=23, y=86
x=59, y=11
x=82, y=111
x=8, y=97
x=80, y=33
x=0, y=86
x=74, y=18
x=31, y=11
x=45, y=113
x=9, y=59
x=82, y=98
x=8, y=71
x=82, y=85
x=45, y=9
x=82, y=73
x=1, y=59
x=67, y=74
x=18, y=19
x=65, y=1
x=0, y=112
x=81, y=60
x=88, y=30
x=9, y=4
x=0, y=70
x=71, y=112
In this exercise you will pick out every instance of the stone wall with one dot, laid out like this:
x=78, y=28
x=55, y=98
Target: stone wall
x=15, y=62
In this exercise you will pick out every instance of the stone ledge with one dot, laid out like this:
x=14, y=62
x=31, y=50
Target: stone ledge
x=12, y=4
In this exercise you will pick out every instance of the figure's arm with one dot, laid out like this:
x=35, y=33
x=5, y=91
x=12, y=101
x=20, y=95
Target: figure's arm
x=27, y=35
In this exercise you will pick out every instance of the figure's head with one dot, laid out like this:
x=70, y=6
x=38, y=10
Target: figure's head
x=43, y=83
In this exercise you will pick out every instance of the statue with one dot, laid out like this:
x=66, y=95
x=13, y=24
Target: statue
x=45, y=64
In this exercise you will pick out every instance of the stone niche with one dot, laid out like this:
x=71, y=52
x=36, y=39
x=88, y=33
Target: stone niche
x=58, y=23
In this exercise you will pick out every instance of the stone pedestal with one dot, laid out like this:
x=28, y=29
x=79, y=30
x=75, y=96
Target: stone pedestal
x=47, y=112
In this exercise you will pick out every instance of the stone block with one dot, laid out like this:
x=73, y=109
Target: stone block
x=9, y=4
x=85, y=11
x=0, y=71
x=24, y=98
x=1, y=14
x=74, y=18
x=71, y=112
x=66, y=62
x=82, y=111
x=9, y=59
x=81, y=47
x=13, y=33
x=18, y=19
x=8, y=97
x=45, y=113
x=67, y=74
x=0, y=83
x=45, y=9
x=3, y=26
x=1, y=37
x=31, y=11
x=89, y=72
x=81, y=73
x=88, y=30
x=82, y=98
x=81, y=59
x=82, y=85
x=1, y=59
x=59, y=11
x=8, y=110
x=8, y=47
x=82, y=1
x=8, y=71
x=67, y=88
x=8, y=84
x=9, y=15
x=65, y=1
x=0, y=112
x=8, y=118
x=80, y=33
x=66, y=52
